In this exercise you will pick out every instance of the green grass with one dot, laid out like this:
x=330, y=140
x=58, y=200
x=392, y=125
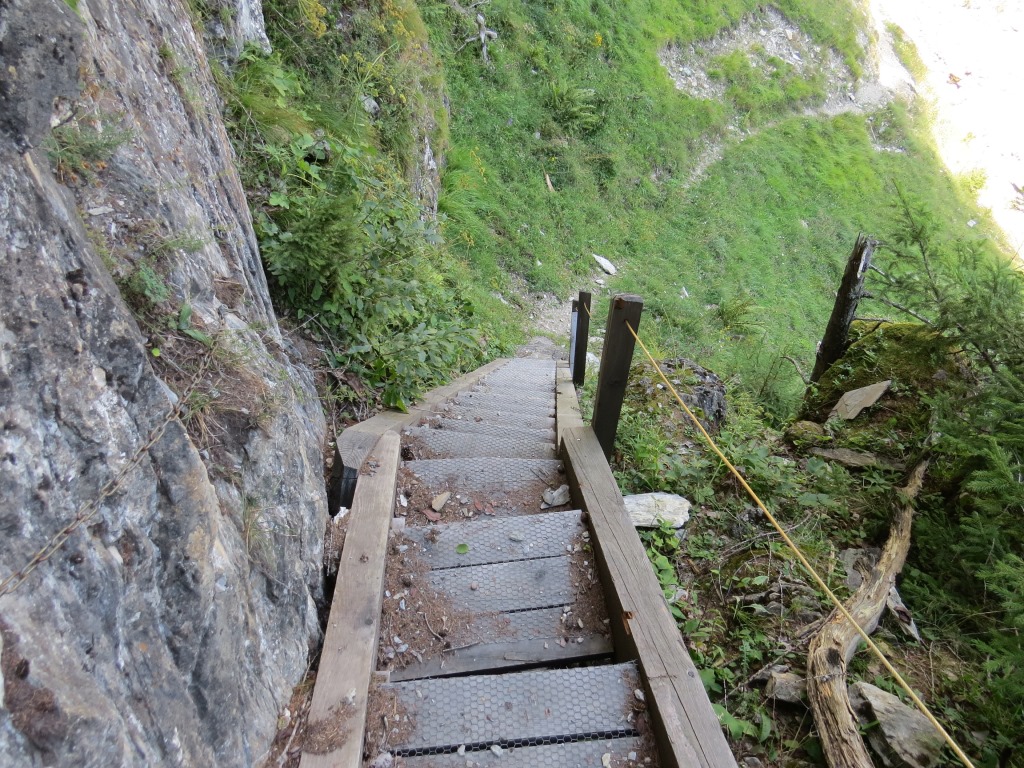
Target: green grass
x=576, y=95
x=907, y=52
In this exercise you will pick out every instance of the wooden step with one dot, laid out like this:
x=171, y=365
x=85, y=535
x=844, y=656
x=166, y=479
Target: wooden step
x=490, y=417
x=497, y=540
x=479, y=711
x=465, y=426
x=547, y=636
x=428, y=443
x=542, y=394
x=496, y=477
x=502, y=404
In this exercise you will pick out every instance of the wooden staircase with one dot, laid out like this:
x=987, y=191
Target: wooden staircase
x=470, y=623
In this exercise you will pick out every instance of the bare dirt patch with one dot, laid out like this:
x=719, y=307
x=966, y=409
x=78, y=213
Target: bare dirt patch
x=588, y=613
x=464, y=505
x=286, y=748
x=333, y=732
x=760, y=35
x=387, y=720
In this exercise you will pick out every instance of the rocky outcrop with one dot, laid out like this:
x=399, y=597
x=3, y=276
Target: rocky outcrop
x=171, y=625
x=901, y=736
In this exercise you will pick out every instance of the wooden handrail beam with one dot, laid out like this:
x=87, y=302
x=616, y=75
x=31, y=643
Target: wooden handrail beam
x=642, y=625
x=337, y=713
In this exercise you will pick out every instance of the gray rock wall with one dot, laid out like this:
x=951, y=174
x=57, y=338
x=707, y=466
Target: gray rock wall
x=172, y=624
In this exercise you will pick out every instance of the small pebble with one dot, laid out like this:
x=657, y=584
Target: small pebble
x=474, y=586
x=497, y=750
x=638, y=694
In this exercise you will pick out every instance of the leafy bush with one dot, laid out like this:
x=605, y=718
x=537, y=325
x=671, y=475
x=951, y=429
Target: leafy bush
x=970, y=538
x=576, y=110
x=343, y=242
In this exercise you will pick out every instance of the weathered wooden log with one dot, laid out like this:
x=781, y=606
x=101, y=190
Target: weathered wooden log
x=836, y=643
x=851, y=290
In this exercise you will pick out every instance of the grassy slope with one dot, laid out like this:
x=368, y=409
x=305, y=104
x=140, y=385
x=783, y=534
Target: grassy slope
x=763, y=236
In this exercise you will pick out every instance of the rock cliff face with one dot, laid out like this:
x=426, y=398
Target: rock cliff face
x=173, y=622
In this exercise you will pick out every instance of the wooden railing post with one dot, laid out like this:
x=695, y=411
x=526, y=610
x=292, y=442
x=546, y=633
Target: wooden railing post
x=578, y=353
x=615, y=360
x=574, y=321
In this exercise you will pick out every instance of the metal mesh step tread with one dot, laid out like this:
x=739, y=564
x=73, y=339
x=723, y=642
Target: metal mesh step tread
x=509, y=403
x=513, y=640
x=578, y=754
x=500, y=430
x=521, y=707
x=535, y=375
x=427, y=443
x=545, y=394
x=490, y=417
x=487, y=473
x=496, y=540
x=526, y=382
x=502, y=587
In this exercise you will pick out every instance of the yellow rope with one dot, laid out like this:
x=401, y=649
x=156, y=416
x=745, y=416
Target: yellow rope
x=803, y=560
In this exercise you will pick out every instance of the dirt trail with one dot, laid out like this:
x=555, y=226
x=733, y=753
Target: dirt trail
x=769, y=33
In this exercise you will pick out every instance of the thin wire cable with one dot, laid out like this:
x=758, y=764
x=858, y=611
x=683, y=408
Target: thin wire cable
x=804, y=561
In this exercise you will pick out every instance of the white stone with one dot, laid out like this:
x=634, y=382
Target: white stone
x=556, y=497
x=646, y=509
x=853, y=402
x=606, y=265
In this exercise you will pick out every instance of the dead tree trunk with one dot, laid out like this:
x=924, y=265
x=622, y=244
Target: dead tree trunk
x=836, y=643
x=851, y=289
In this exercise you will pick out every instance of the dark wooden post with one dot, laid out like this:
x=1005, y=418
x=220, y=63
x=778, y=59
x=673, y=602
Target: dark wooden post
x=615, y=360
x=579, y=351
x=574, y=321
x=851, y=289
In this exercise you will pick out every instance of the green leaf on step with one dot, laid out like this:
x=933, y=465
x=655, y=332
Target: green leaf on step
x=462, y=549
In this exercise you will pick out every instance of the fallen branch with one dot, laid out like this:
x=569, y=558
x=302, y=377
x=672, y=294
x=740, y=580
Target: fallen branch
x=834, y=646
x=483, y=34
x=799, y=370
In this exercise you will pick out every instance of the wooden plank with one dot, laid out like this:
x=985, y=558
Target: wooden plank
x=579, y=362
x=625, y=309
x=337, y=713
x=567, y=406
x=507, y=655
x=642, y=624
